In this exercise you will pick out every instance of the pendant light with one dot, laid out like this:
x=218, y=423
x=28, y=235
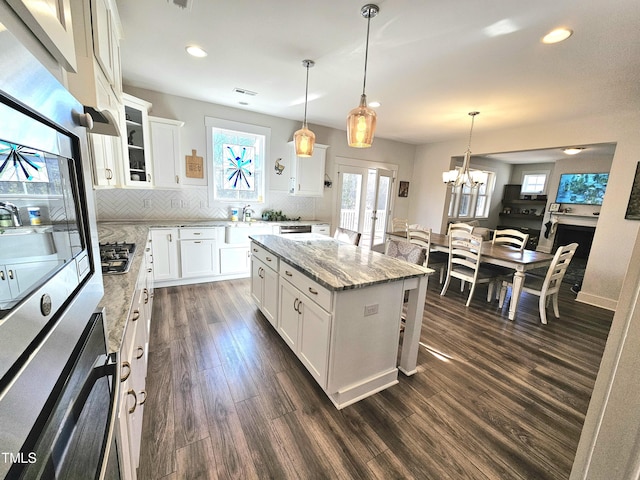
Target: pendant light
x=464, y=176
x=361, y=122
x=305, y=138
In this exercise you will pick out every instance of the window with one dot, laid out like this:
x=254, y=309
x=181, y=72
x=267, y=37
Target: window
x=534, y=182
x=236, y=152
x=469, y=203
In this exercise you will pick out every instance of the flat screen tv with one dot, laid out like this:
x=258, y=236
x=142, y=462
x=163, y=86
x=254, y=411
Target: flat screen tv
x=582, y=188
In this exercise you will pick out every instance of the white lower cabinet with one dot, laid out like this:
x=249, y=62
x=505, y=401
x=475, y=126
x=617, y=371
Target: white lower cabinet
x=164, y=243
x=134, y=358
x=305, y=327
x=18, y=278
x=198, y=258
x=264, y=288
x=235, y=260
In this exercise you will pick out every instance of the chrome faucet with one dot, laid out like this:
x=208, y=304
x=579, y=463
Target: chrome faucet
x=13, y=210
x=246, y=213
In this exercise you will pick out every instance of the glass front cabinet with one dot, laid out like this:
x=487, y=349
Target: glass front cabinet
x=137, y=165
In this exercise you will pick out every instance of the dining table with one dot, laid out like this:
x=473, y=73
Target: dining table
x=520, y=261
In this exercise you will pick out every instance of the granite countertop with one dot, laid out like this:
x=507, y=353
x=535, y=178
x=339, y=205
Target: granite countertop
x=335, y=265
x=119, y=289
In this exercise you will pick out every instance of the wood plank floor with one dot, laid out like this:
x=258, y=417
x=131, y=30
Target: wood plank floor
x=492, y=399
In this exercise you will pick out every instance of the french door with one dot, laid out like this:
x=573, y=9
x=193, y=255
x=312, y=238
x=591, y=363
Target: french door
x=364, y=202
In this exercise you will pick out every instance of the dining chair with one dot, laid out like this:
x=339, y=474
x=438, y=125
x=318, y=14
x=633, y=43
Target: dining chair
x=546, y=287
x=460, y=226
x=510, y=237
x=408, y=252
x=421, y=236
x=347, y=236
x=399, y=225
x=465, y=257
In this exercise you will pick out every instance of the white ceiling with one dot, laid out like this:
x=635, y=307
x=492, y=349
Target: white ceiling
x=430, y=62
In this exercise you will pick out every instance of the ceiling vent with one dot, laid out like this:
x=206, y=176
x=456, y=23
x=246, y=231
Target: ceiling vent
x=183, y=4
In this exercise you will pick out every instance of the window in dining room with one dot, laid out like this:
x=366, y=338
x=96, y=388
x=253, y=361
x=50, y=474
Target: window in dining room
x=469, y=203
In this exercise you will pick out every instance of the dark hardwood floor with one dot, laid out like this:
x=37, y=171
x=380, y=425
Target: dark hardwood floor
x=493, y=399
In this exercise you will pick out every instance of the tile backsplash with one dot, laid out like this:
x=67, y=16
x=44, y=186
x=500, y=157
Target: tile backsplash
x=189, y=204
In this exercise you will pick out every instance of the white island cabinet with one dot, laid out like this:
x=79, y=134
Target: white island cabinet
x=339, y=309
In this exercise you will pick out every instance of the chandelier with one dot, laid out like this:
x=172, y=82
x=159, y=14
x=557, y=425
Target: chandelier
x=464, y=176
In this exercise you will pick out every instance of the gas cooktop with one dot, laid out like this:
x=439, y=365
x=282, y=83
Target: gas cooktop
x=116, y=257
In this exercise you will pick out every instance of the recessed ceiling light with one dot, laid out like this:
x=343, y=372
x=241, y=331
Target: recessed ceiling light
x=374, y=104
x=573, y=150
x=557, y=35
x=195, y=51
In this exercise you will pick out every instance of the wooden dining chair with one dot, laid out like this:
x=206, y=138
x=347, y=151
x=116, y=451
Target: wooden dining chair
x=399, y=225
x=460, y=226
x=546, y=287
x=511, y=237
x=347, y=236
x=465, y=257
x=421, y=236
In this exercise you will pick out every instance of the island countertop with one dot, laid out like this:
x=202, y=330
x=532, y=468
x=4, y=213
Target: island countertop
x=335, y=265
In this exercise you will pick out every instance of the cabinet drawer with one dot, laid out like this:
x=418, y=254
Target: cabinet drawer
x=198, y=233
x=311, y=289
x=265, y=256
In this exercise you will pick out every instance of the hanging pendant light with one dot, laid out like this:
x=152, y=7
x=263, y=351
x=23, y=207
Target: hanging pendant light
x=304, y=138
x=361, y=122
x=465, y=176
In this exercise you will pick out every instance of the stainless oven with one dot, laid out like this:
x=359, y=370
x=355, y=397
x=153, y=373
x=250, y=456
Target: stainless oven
x=50, y=279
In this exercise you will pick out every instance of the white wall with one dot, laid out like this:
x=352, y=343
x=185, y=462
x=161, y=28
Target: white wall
x=126, y=204
x=614, y=237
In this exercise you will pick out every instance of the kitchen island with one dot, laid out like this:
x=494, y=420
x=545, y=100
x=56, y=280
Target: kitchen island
x=339, y=308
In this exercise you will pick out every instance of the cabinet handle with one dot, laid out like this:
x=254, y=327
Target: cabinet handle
x=11, y=274
x=148, y=249
x=197, y=233
x=124, y=376
x=149, y=270
x=299, y=307
x=170, y=238
x=177, y=179
x=148, y=177
x=295, y=304
x=198, y=241
x=136, y=315
x=314, y=292
x=288, y=273
x=255, y=250
x=109, y=174
x=142, y=392
x=132, y=392
x=2, y=274
x=140, y=351
x=268, y=259
x=146, y=295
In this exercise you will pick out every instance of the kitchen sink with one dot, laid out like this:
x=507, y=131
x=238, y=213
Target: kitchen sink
x=25, y=242
x=239, y=232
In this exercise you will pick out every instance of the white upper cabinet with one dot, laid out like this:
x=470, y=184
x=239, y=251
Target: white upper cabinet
x=138, y=169
x=97, y=32
x=307, y=173
x=50, y=22
x=165, y=152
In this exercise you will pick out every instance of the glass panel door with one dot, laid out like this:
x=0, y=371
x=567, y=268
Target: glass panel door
x=378, y=206
x=365, y=202
x=351, y=180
